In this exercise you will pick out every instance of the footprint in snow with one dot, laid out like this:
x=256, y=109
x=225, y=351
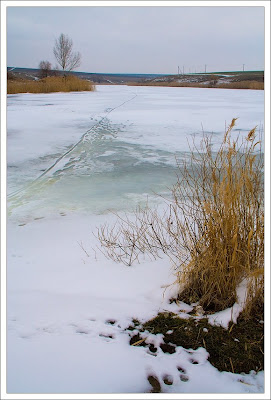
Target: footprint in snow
x=184, y=378
x=107, y=336
x=111, y=322
x=181, y=369
x=193, y=361
x=156, y=384
x=168, y=379
x=82, y=331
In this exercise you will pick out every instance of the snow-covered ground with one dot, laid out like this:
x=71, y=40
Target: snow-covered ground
x=73, y=157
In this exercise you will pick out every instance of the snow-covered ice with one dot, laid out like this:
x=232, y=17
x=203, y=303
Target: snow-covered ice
x=73, y=157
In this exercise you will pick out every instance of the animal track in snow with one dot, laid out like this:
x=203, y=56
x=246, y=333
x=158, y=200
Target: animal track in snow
x=105, y=330
x=82, y=331
x=111, y=322
x=181, y=369
x=193, y=361
x=183, y=375
x=184, y=378
x=107, y=336
x=168, y=379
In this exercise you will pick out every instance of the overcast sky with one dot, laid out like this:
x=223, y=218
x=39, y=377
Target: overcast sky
x=140, y=39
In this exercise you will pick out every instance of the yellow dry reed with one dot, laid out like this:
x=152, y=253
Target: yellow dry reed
x=49, y=85
x=252, y=85
x=225, y=244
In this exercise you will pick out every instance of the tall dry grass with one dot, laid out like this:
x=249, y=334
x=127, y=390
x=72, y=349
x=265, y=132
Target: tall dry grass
x=252, y=85
x=50, y=84
x=213, y=229
x=225, y=243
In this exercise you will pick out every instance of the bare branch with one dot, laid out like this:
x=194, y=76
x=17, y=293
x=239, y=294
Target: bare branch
x=66, y=58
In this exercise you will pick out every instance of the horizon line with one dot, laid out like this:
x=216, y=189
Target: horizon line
x=140, y=73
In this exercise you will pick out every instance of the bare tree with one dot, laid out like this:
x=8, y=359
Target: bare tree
x=66, y=58
x=45, y=68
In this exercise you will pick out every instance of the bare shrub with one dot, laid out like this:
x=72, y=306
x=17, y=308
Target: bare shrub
x=213, y=80
x=45, y=69
x=213, y=229
x=130, y=238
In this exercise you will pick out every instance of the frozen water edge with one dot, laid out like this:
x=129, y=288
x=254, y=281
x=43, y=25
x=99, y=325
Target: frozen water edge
x=60, y=297
x=125, y=138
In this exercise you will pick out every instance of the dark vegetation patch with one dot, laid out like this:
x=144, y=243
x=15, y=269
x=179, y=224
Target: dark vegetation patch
x=240, y=348
x=168, y=348
x=136, y=340
x=194, y=293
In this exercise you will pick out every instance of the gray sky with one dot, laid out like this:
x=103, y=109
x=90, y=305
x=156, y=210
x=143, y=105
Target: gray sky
x=140, y=39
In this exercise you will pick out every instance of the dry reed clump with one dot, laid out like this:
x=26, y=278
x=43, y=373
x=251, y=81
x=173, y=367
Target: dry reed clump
x=213, y=229
x=168, y=84
x=226, y=205
x=253, y=85
x=49, y=85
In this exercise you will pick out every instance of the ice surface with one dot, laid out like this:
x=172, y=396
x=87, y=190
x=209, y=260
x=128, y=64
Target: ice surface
x=124, y=141
x=61, y=290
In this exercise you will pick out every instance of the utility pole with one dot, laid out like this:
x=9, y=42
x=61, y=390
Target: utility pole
x=178, y=70
x=183, y=69
x=243, y=67
x=205, y=68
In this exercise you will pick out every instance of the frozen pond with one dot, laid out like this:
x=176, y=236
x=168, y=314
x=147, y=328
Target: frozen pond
x=113, y=148
x=71, y=158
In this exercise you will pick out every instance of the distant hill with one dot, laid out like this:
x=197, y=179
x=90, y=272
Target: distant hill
x=32, y=73
x=235, y=79
x=235, y=76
